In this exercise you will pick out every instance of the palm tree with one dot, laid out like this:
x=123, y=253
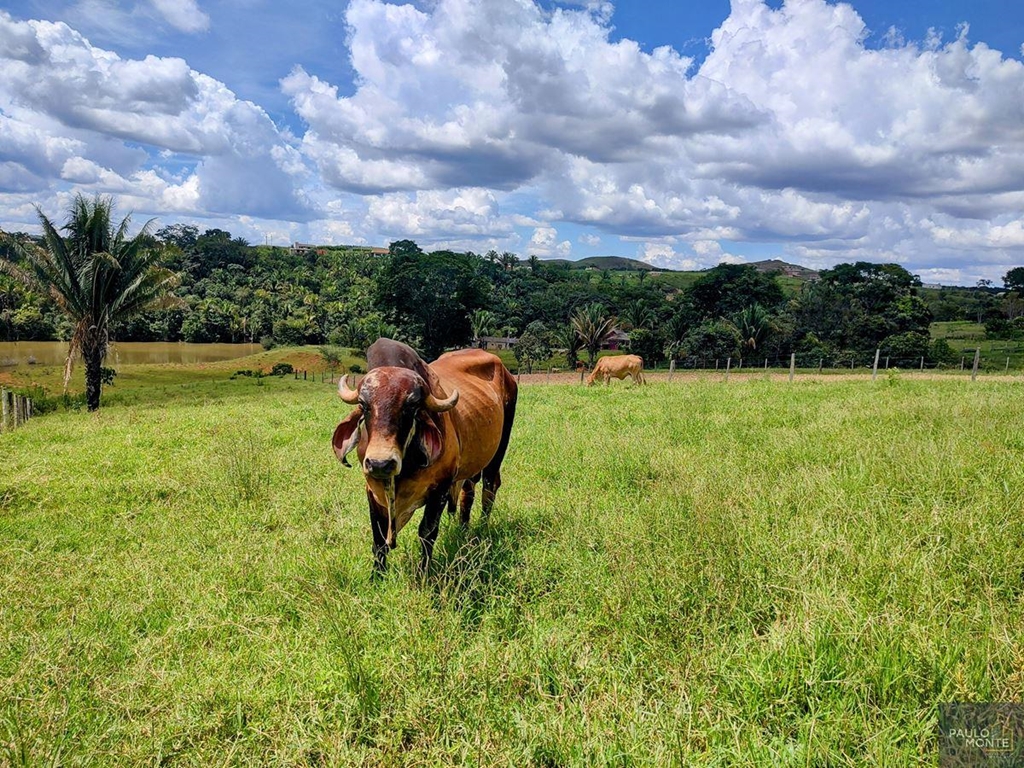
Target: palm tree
x=638, y=315
x=565, y=337
x=96, y=275
x=593, y=328
x=754, y=324
x=481, y=322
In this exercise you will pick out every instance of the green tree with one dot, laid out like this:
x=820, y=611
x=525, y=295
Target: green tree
x=754, y=324
x=96, y=274
x=647, y=344
x=566, y=338
x=728, y=288
x=713, y=340
x=482, y=322
x=431, y=295
x=1014, y=279
x=532, y=346
x=594, y=328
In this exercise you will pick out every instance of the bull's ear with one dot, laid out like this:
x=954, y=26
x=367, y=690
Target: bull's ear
x=429, y=437
x=347, y=435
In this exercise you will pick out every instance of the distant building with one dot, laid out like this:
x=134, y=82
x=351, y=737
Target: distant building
x=379, y=251
x=498, y=342
x=617, y=340
x=301, y=248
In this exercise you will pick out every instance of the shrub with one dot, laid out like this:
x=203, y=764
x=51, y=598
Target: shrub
x=941, y=353
x=282, y=369
x=355, y=368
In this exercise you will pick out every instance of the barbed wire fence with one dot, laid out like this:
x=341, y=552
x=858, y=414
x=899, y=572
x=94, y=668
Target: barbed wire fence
x=972, y=362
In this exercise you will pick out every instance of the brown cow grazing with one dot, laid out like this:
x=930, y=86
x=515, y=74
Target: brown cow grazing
x=423, y=433
x=618, y=367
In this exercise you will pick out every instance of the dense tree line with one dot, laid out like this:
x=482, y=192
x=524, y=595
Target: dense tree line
x=230, y=291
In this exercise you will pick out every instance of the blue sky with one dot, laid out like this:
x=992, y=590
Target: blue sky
x=680, y=133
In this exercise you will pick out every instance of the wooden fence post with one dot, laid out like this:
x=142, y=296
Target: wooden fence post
x=671, y=369
x=922, y=362
x=728, y=365
x=1007, y=365
x=792, y=366
x=5, y=409
x=821, y=362
x=874, y=368
x=977, y=359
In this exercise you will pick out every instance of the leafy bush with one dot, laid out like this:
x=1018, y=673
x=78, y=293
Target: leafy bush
x=941, y=353
x=290, y=332
x=355, y=368
x=107, y=376
x=713, y=340
x=907, y=345
x=282, y=369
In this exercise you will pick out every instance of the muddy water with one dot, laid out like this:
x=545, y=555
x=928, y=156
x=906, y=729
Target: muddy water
x=124, y=353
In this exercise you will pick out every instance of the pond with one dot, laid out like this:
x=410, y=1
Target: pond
x=125, y=353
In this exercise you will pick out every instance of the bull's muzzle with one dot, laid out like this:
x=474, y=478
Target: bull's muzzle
x=381, y=469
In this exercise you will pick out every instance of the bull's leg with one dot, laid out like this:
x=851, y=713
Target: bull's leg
x=492, y=482
x=379, y=526
x=466, y=501
x=429, y=524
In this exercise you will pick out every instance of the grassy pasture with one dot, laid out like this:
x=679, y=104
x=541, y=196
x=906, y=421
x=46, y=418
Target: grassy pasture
x=690, y=573
x=965, y=337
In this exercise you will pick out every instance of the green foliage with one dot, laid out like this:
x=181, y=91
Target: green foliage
x=97, y=274
x=714, y=340
x=332, y=357
x=107, y=375
x=290, y=332
x=1014, y=279
x=907, y=346
x=282, y=369
x=649, y=345
x=532, y=346
x=728, y=288
x=594, y=328
x=941, y=353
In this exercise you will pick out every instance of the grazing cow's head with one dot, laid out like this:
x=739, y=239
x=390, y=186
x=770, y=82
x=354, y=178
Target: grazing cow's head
x=393, y=422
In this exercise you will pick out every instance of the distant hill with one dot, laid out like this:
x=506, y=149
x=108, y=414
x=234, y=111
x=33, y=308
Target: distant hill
x=790, y=270
x=615, y=263
x=621, y=264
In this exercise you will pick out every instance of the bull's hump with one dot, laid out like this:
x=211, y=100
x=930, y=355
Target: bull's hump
x=467, y=362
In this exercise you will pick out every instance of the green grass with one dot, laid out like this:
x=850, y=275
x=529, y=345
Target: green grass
x=965, y=337
x=697, y=573
x=147, y=383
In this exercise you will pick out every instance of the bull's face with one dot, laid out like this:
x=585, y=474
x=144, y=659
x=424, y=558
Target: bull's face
x=393, y=422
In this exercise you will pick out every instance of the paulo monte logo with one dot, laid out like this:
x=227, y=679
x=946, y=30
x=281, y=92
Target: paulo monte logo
x=981, y=735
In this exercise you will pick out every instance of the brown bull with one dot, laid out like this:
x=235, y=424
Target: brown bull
x=423, y=433
x=618, y=367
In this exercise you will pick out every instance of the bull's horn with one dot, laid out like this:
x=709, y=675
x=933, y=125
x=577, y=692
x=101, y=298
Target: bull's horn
x=346, y=393
x=440, y=406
